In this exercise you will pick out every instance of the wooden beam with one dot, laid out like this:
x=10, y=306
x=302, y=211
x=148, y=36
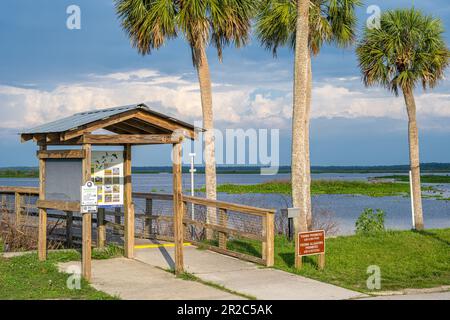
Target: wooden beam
x=144, y=126
x=61, y=154
x=42, y=231
x=98, y=125
x=178, y=211
x=228, y=206
x=120, y=139
x=21, y=190
x=129, y=208
x=24, y=137
x=270, y=238
x=87, y=220
x=165, y=124
x=127, y=128
x=58, y=205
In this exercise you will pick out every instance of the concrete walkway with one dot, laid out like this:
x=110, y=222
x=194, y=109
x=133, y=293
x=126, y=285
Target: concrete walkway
x=245, y=277
x=134, y=280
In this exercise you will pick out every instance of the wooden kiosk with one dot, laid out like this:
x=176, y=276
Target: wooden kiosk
x=128, y=125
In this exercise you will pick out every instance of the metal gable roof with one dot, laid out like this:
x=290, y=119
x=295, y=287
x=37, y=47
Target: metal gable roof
x=84, y=118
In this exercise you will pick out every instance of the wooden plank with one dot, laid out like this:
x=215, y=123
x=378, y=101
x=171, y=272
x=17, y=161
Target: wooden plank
x=117, y=216
x=178, y=208
x=225, y=230
x=21, y=190
x=321, y=261
x=120, y=139
x=61, y=154
x=144, y=126
x=42, y=231
x=86, y=231
x=154, y=196
x=101, y=228
x=270, y=238
x=228, y=206
x=58, y=205
x=129, y=208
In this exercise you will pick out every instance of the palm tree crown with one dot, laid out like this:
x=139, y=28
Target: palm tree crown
x=149, y=23
x=406, y=50
x=331, y=21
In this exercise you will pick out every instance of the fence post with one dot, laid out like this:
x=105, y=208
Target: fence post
x=101, y=228
x=69, y=225
x=148, y=221
x=223, y=222
x=117, y=219
x=18, y=207
x=270, y=235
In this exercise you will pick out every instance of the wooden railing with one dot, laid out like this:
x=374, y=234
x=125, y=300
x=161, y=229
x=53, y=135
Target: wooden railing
x=224, y=227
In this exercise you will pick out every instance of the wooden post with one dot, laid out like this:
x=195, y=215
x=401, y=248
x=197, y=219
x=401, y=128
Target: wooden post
x=87, y=220
x=129, y=208
x=42, y=231
x=270, y=238
x=148, y=223
x=321, y=261
x=264, y=232
x=177, y=208
x=101, y=228
x=117, y=219
x=18, y=207
x=223, y=218
x=69, y=226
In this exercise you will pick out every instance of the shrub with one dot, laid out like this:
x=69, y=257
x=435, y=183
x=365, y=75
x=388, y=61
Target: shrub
x=370, y=222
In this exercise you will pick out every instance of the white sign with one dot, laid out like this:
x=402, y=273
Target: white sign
x=89, y=197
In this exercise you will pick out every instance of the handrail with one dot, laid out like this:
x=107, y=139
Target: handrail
x=20, y=190
x=228, y=206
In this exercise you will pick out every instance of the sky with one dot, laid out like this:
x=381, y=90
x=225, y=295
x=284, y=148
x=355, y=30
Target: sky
x=48, y=71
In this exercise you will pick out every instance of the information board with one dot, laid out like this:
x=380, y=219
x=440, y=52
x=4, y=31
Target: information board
x=107, y=174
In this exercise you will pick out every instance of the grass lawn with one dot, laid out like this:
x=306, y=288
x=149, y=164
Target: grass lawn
x=407, y=259
x=25, y=277
x=377, y=189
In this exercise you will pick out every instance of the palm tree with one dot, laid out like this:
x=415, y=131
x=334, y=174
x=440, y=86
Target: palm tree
x=330, y=21
x=408, y=49
x=150, y=23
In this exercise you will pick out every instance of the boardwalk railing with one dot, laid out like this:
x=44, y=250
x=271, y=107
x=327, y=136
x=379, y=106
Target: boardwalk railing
x=241, y=231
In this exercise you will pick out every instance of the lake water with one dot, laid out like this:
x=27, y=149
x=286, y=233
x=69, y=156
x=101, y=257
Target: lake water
x=345, y=208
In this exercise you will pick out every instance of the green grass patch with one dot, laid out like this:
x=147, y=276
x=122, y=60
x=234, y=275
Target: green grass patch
x=371, y=189
x=11, y=173
x=407, y=259
x=25, y=277
x=423, y=178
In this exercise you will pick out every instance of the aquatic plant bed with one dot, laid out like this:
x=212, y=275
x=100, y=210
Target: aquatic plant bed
x=372, y=189
x=407, y=259
x=423, y=178
x=25, y=277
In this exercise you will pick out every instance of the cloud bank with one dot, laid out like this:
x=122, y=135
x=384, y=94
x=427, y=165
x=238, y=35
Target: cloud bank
x=235, y=104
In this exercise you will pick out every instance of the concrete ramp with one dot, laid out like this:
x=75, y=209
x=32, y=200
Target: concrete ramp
x=245, y=277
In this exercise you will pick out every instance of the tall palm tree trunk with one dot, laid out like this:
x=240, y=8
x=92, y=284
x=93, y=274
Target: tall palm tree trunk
x=307, y=194
x=298, y=160
x=204, y=79
x=413, y=135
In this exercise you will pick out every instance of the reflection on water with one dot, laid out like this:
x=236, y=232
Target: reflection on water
x=346, y=208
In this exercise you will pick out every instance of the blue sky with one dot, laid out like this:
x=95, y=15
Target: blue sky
x=48, y=71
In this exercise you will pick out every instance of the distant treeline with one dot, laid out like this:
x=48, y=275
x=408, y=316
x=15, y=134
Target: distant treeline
x=32, y=172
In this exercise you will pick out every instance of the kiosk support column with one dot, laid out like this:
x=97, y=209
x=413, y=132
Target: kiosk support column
x=87, y=219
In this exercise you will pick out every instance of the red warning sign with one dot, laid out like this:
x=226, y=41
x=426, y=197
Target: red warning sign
x=310, y=243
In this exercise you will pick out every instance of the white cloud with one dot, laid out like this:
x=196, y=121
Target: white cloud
x=234, y=104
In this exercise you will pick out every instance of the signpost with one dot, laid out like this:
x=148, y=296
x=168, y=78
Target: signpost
x=88, y=198
x=312, y=243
